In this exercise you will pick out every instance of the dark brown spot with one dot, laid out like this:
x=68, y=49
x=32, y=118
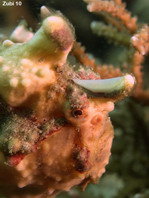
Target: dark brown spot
x=64, y=38
x=81, y=156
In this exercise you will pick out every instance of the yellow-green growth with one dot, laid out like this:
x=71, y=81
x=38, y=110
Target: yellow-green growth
x=27, y=68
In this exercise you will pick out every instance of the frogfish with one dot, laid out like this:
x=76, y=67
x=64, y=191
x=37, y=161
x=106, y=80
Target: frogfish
x=55, y=129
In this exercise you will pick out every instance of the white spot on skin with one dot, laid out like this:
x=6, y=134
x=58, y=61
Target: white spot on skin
x=34, y=70
x=134, y=38
x=42, y=72
x=14, y=82
x=15, y=71
x=21, y=184
x=129, y=81
x=50, y=191
x=26, y=173
x=8, y=43
x=26, y=62
x=142, y=50
x=26, y=82
x=109, y=106
x=20, y=167
x=5, y=68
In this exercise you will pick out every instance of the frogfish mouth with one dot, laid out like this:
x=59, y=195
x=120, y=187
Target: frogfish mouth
x=55, y=132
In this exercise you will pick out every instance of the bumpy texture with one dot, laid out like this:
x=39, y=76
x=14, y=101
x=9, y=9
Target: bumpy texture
x=55, y=132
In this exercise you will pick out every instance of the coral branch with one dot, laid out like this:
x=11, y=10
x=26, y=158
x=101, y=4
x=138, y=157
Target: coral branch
x=105, y=71
x=119, y=2
x=140, y=42
x=116, y=11
x=115, y=32
x=111, y=33
x=109, y=71
x=139, y=93
x=79, y=52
